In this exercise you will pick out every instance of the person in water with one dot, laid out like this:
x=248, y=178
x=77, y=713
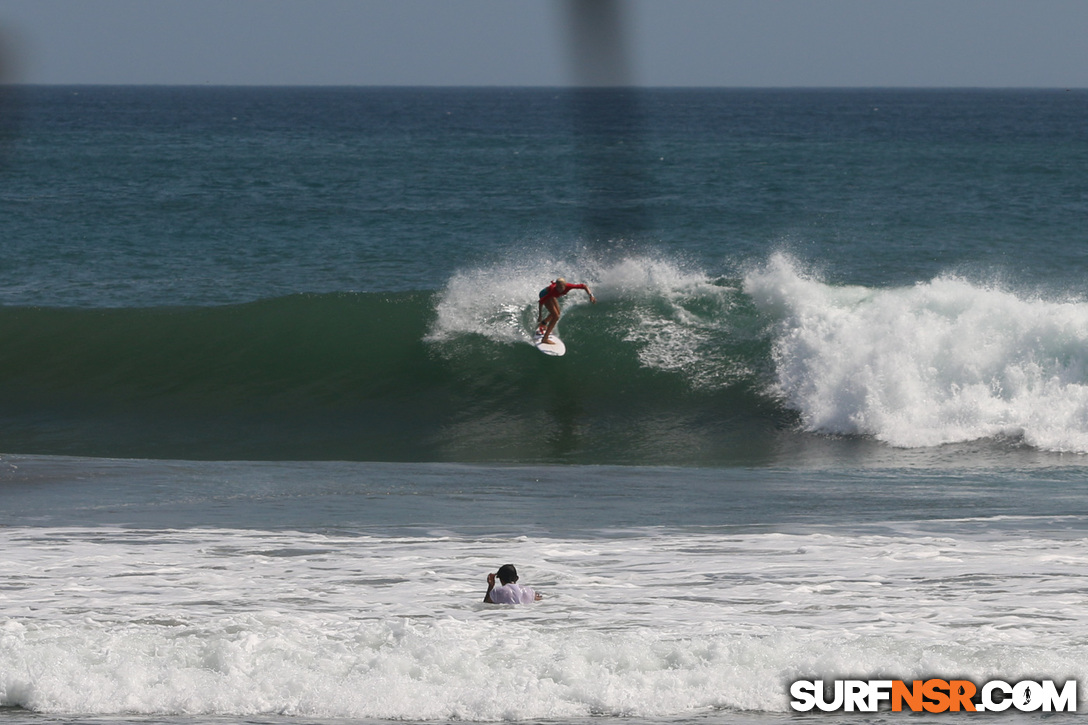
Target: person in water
x=510, y=592
x=549, y=299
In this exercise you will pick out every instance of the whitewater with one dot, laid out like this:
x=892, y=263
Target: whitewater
x=637, y=624
x=135, y=591
x=942, y=361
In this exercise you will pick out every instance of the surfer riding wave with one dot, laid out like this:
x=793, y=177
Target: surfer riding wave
x=549, y=299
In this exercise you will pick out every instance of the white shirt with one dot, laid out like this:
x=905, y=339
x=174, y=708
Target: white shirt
x=512, y=593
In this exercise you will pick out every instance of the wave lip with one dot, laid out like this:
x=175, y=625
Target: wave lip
x=943, y=361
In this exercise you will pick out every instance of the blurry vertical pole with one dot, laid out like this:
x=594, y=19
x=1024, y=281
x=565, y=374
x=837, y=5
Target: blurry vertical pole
x=8, y=110
x=598, y=49
x=607, y=124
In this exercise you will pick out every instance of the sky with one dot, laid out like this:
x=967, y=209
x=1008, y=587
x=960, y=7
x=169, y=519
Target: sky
x=717, y=43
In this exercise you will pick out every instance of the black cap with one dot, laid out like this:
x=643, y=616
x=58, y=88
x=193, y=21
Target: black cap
x=507, y=573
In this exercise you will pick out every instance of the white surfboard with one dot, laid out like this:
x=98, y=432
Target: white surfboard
x=554, y=346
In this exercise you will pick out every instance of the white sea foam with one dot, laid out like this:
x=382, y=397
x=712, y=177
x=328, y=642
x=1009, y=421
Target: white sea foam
x=657, y=623
x=943, y=361
x=676, y=318
x=497, y=302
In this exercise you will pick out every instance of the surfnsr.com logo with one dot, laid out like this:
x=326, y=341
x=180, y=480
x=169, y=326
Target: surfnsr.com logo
x=933, y=695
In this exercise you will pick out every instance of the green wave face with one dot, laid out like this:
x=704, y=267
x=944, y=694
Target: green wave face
x=377, y=377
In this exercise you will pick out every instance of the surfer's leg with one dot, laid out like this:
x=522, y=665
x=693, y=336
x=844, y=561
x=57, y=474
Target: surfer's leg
x=551, y=319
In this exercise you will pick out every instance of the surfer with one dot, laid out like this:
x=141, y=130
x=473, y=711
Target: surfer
x=510, y=592
x=549, y=298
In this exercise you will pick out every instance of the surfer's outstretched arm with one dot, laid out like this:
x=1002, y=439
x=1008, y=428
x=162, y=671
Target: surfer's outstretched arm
x=581, y=286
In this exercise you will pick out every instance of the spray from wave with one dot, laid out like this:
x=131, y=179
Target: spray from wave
x=940, y=362
x=673, y=318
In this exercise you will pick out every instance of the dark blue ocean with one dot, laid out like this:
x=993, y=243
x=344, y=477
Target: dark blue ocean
x=269, y=414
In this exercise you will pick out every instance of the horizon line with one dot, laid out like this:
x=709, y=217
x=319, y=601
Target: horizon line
x=567, y=87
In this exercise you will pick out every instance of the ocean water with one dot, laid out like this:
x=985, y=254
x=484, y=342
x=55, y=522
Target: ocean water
x=268, y=414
